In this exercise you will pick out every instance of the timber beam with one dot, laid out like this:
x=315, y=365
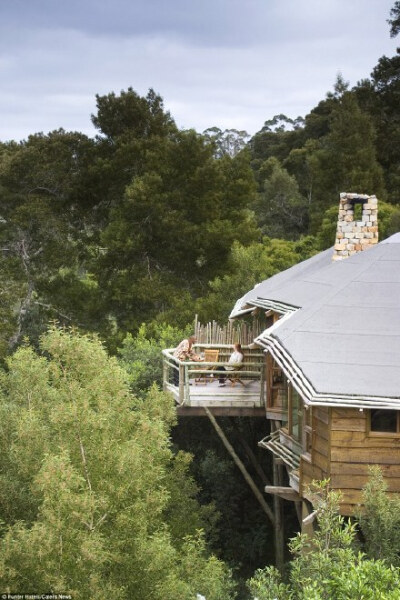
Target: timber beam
x=287, y=493
x=221, y=411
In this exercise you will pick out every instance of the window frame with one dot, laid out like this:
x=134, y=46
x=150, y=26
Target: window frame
x=272, y=369
x=300, y=415
x=307, y=437
x=392, y=434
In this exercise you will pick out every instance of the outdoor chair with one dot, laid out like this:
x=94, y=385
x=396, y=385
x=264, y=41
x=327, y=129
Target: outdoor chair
x=209, y=356
x=235, y=378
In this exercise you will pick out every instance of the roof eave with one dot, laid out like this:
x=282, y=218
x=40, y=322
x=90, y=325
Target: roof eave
x=304, y=387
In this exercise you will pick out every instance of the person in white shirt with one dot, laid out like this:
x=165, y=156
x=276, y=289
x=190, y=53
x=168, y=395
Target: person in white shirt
x=235, y=360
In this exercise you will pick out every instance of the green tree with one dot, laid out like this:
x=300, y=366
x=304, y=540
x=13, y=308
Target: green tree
x=107, y=233
x=385, y=79
x=247, y=267
x=280, y=209
x=346, y=160
x=132, y=132
x=132, y=115
x=394, y=22
x=48, y=191
x=228, y=142
x=380, y=520
x=276, y=138
x=141, y=354
x=173, y=229
x=328, y=566
x=299, y=164
x=94, y=501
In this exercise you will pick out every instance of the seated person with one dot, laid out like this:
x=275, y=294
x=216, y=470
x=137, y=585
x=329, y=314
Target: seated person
x=235, y=359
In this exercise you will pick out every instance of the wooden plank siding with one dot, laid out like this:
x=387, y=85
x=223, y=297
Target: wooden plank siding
x=352, y=450
x=317, y=466
x=388, y=471
x=322, y=462
x=348, y=482
x=371, y=456
x=358, y=439
x=351, y=424
x=322, y=414
x=309, y=472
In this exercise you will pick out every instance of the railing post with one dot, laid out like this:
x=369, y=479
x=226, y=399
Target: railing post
x=181, y=383
x=187, y=388
x=165, y=374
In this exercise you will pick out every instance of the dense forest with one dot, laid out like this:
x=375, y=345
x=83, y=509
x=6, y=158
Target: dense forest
x=109, y=247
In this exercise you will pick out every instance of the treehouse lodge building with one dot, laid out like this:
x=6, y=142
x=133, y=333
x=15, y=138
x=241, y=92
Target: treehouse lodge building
x=325, y=371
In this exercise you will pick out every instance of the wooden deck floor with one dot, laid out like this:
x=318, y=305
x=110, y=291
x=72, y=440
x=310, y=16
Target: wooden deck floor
x=227, y=397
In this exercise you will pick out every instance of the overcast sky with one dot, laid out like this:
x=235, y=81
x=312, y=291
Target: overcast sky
x=228, y=63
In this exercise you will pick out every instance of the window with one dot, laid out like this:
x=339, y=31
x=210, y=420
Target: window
x=276, y=384
x=307, y=430
x=384, y=421
x=295, y=414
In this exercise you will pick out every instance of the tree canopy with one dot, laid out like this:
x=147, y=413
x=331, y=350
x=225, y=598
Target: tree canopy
x=94, y=499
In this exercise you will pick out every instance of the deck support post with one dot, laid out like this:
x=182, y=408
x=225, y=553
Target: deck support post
x=299, y=511
x=250, y=454
x=278, y=515
x=249, y=480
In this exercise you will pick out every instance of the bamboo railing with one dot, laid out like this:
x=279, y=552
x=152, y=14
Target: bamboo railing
x=234, y=332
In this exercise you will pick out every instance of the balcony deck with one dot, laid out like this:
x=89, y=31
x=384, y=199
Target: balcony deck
x=192, y=396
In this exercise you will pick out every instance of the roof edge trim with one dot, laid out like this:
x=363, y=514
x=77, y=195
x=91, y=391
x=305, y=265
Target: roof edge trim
x=310, y=396
x=280, y=307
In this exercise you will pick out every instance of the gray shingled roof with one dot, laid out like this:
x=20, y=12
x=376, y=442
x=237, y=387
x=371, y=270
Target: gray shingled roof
x=340, y=341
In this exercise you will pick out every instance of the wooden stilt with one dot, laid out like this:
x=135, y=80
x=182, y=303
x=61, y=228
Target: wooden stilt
x=250, y=454
x=249, y=480
x=299, y=511
x=278, y=514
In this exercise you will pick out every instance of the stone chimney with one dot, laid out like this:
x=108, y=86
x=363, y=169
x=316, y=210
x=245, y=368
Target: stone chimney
x=357, y=226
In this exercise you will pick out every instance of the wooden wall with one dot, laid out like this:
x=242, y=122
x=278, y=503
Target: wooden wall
x=343, y=451
x=317, y=466
x=353, y=450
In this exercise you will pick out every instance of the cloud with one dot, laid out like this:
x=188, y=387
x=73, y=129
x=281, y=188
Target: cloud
x=222, y=63
x=216, y=22
x=220, y=22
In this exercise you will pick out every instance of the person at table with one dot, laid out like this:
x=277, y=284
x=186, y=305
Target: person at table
x=235, y=361
x=183, y=352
